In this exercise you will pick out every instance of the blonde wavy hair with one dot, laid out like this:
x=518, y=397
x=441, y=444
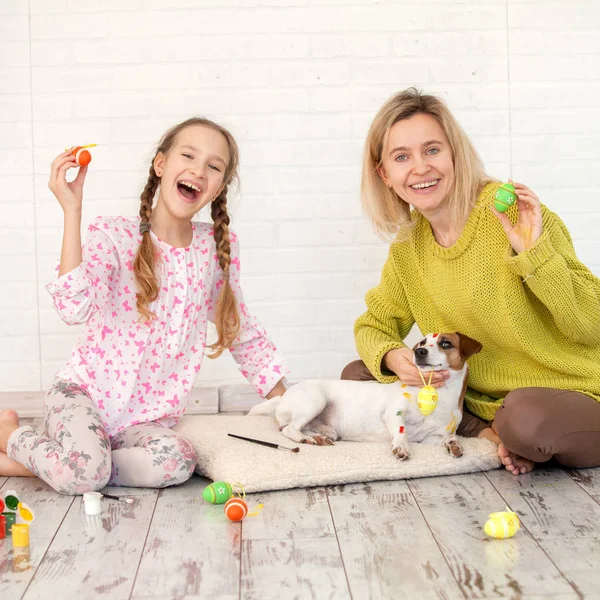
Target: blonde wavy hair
x=389, y=212
x=227, y=319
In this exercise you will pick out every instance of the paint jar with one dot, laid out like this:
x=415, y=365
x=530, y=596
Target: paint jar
x=11, y=518
x=92, y=503
x=20, y=542
x=2, y=527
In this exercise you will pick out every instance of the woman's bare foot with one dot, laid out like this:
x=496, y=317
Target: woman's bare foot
x=517, y=465
x=9, y=422
x=11, y=468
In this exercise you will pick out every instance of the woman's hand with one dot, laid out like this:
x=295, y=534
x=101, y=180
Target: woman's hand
x=69, y=195
x=400, y=361
x=528, y=228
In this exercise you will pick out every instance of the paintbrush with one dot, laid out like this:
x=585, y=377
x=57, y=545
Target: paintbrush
x=263, y=443
x=126, y=499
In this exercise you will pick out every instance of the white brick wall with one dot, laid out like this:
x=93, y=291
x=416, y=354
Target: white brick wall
x=298, y=82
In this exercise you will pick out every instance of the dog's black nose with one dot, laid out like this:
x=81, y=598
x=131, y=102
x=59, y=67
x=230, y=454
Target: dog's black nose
x=421, y=352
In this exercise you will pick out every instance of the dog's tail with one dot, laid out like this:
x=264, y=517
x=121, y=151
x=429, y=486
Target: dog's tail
x=268, y=407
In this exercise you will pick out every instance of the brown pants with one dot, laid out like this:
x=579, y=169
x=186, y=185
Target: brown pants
x=536, y=423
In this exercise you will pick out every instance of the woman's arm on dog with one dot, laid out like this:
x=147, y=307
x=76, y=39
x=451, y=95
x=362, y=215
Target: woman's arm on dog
x=385, y=324
x=570, y=291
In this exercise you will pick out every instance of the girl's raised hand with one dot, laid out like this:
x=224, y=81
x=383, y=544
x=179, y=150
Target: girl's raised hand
x=400, y=361
x=528, y=228
x=69, y=195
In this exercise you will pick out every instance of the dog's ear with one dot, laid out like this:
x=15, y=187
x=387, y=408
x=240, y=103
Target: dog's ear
x=468, y=346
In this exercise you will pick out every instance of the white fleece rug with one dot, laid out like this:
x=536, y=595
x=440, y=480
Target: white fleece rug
x=260, y=468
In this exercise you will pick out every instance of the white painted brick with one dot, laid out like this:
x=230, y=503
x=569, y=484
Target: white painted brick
x=467, y=69
x=20, y=377
x=298, y=153
x=18, y=212
x=390, y=71
x=19, y=348
x=552, y=121
x=17, y=160
x=470, y=17
x=18, y=295
x=543, y=15
x=14, y=54
x=15, y=108
x=555, y=95
x=18, y=267
x=19, y=323
x=555, y=42
x=560, y=68
x=270, y=101
x=308, y=73
x=15, y=80
x=342, y=46
x=15, y=7
x=14, y=28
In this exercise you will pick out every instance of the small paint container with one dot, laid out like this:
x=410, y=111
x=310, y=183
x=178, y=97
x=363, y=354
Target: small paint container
x=92, y=503
x=20, y=542
x=11, y=500
x=2, y=527
x=11, y=518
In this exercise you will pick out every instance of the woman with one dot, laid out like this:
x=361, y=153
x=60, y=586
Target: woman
x=510, y=280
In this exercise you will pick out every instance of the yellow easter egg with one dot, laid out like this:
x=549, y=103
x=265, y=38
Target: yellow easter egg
x=502, y=525
x=427, y=399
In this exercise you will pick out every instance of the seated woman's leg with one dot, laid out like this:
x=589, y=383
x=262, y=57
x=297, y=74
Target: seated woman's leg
x=357, y=371
x=73, y=456
x=544, y=423
x=151, y=456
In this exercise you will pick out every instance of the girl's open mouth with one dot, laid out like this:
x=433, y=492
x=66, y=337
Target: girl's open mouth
x=189, y=191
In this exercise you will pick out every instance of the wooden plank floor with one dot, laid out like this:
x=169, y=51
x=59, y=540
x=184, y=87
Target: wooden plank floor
x=416, y=539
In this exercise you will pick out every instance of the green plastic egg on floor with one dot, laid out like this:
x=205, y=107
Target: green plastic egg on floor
x=505, y=197
x=218, y=492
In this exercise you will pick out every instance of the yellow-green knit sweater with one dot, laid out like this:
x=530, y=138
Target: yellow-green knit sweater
x=541, y=332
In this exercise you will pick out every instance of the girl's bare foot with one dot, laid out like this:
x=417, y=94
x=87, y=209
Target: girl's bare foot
x=9, y=422
x=517, y=465
x=11, y=468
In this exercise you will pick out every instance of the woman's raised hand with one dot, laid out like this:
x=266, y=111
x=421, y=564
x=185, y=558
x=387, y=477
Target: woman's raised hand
x=68, y=194
x=528, y=228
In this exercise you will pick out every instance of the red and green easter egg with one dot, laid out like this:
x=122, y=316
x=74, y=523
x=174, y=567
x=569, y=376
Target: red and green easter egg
x=218, y=492
x=505, y=197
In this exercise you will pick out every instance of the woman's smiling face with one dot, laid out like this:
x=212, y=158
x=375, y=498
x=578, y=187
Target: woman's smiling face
x=417, y=162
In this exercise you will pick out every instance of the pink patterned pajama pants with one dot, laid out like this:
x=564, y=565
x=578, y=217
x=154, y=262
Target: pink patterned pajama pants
x=76, y=455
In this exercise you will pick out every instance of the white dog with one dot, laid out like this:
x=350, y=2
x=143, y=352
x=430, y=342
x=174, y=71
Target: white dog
x=323, y=411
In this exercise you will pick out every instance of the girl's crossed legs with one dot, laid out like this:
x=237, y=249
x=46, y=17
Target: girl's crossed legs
x=76, y=455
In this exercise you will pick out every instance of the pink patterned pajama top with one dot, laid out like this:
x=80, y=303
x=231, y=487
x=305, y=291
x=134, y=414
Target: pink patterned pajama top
x=135, y=372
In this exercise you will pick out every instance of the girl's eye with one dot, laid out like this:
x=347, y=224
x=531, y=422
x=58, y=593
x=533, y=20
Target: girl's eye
x=214, y=167
x=401, y=158
x=433, y=151
x=187, y=155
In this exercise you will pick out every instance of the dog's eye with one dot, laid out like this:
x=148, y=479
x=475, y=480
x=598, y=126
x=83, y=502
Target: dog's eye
x=446, y=345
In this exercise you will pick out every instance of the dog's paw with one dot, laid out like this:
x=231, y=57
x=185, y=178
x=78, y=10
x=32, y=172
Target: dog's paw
x=454, y=448
x=310, y=441
x=401, y=452
x=323, y=440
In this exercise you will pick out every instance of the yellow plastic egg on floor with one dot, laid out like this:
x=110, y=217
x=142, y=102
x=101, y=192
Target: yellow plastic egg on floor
x=427, y=399
x=502, y=525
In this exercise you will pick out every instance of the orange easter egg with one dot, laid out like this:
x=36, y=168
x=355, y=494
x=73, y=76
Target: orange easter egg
x=236, y=509
x=82, y=156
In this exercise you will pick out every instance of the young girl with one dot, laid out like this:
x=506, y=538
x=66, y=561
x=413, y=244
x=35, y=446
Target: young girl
x=146, y=289
x=510, y=280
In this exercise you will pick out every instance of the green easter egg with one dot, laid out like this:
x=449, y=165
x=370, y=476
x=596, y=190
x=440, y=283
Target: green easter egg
x=505, y=197
x=218, y=492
